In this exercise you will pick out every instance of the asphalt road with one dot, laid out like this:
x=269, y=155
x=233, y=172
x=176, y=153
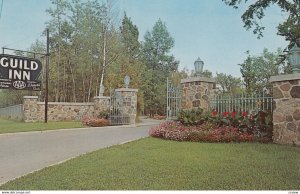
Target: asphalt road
x=23, y=153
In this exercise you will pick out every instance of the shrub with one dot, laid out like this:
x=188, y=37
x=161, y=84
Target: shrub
x=104, y=114
x=85, y=120
x=98, y=122
x=94, y=121
x=259, y=125
x=191, y=117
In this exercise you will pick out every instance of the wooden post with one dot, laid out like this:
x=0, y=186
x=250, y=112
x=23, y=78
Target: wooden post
x=47, y=75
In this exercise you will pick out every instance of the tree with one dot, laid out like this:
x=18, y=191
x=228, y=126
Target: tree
x=159, y=65
x=227, y=84
x=58, y=17
x=130, y=36
x=84, y=42
x=207, y=73
x=289, y=28
x=129, y=61
x=86, y=20
x=177, y=76
x=257, y=70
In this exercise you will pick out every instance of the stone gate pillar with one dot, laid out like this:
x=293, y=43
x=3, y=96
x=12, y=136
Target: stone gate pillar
x=196, y=92
x=129, y=102
x=101, y=103
x=30, y=108
x=286, y=108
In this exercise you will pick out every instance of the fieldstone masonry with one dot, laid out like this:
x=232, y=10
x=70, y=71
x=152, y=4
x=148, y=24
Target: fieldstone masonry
x=196, y=92
x=129, y=106
x=34, y=111
x=101, y=103
x=30, y=108
x=286, y=110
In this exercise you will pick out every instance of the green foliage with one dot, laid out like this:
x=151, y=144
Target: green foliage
x=255, y=11
x=129, y=62
x=206, y=73
x=227, y=84
x=10, y=97
x=191, y=117
x=87, y=48
x=159, y=65
x=176, y=76
x=259, y=125
x=104, y=114
x=75, y=49
x=84, y=44
x=130, y=35
x=257, y=70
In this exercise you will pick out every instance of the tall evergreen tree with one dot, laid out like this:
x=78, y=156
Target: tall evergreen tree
x=130, y=37
x=159, y=63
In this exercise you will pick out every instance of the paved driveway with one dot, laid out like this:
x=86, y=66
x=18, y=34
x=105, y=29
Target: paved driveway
x=22, y=153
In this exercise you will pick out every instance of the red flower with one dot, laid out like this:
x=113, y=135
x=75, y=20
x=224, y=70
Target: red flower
x=233, y=114
x=214, y=113
x=225, y=114
x=244, y=114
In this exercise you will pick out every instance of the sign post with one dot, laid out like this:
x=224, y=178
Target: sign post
x=22, y=73
x=47, y=75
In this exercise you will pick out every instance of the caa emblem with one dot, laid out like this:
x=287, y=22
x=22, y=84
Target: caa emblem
x=19, y=85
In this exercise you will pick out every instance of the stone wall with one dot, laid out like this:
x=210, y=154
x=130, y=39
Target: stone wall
x=286, y=110
x=196, y=92
x=34, y=111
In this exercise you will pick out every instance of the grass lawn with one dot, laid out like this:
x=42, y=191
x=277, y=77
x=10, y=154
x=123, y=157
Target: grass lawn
x=12, y=126
x=155, y=164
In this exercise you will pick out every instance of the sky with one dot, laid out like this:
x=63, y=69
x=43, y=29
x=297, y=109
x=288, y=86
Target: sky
x=201, y=28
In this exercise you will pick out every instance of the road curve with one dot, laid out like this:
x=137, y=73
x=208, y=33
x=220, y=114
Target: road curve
x=23, y=153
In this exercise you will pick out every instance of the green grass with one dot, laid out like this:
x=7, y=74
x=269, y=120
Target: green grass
x=154, y=164
x=12, y=126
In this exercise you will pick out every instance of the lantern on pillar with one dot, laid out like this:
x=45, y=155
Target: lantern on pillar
x=198, y=66
x=294, y=58
x=126, y=81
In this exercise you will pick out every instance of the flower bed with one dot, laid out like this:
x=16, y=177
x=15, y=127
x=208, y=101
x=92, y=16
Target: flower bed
x=224, y=127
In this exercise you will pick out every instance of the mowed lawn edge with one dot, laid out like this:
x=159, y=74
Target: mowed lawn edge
x=155, y=164
x=13, y=126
